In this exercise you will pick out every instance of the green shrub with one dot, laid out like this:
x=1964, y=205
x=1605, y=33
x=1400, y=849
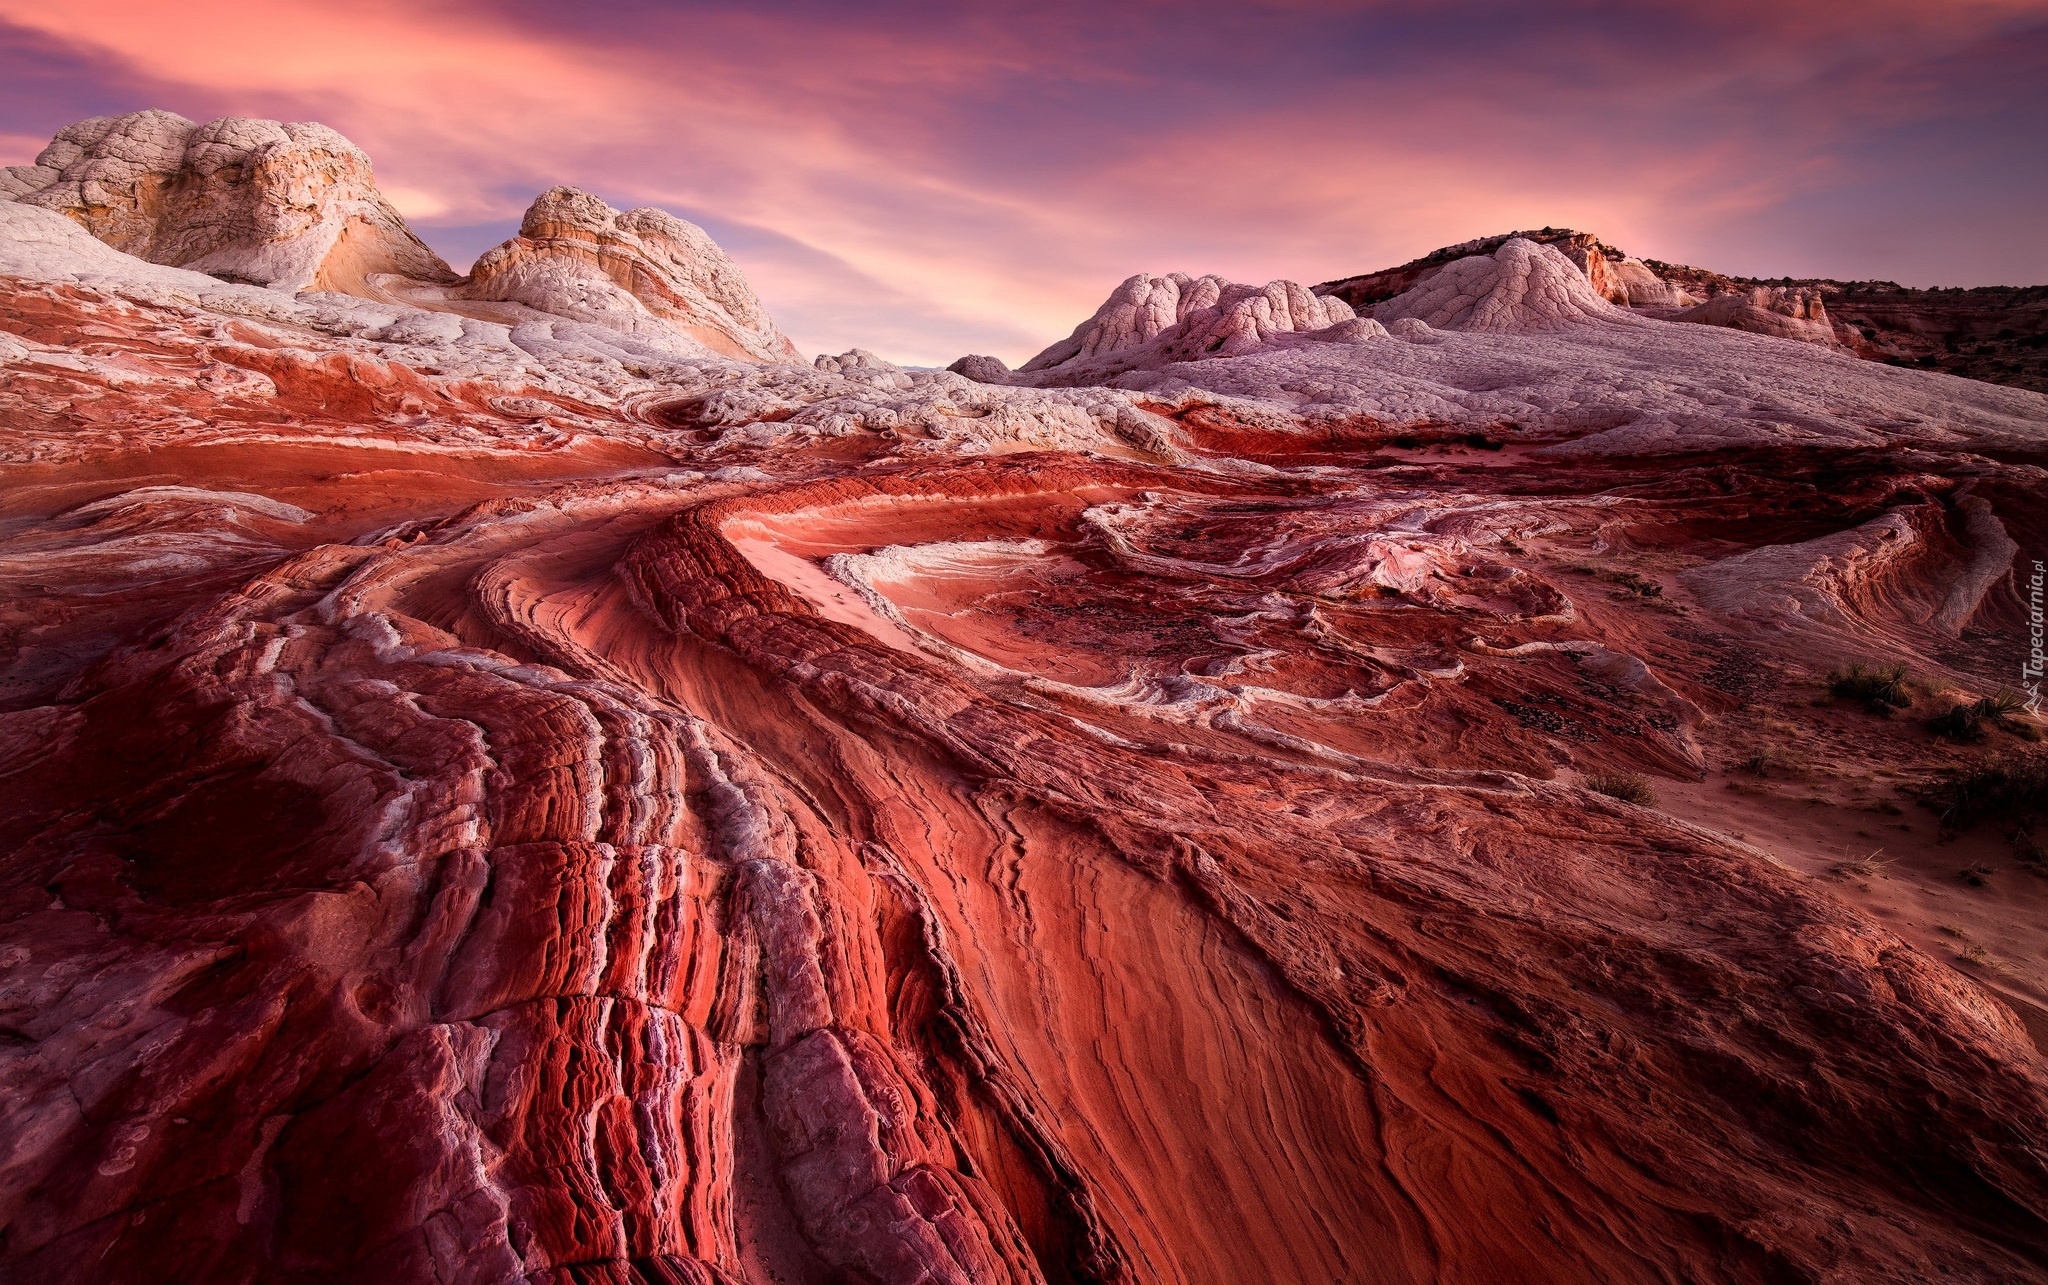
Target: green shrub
x=1966, y=722
x=1958, y=723
x=1881, y=688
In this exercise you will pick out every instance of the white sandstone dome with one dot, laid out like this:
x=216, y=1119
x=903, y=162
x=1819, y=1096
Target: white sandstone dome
x=645, y=272
x=1522, y=286
x=1150, y=319
x=289, y=206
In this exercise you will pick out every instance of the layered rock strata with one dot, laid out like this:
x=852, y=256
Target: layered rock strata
x=295, y=208
x=1613, y=275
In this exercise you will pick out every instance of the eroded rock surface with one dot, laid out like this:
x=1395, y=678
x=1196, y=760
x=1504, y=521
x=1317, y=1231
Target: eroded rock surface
x=293, y=207
x=1149, y=320
x=1520, y=287
x=1790, y=312
x=521, y=800
x=644, y=272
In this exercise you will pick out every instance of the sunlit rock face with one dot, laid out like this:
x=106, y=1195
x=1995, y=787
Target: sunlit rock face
x=509, y=797
x=1615, y=276
x=644, y=272
x=1181, y=318
x=1790, y=312
x=1520, y=287
x=293, y=207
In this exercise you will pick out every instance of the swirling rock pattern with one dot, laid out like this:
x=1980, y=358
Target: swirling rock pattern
x=490, y=803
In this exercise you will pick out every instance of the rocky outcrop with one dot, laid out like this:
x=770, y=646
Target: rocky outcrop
x=1633, y=283
x=1789, y=312
x=1154, y=320
x=982, y=369
x=644, y=272
x=854, y=359
x=1998, y=334
x=295, y=208
x=1615, y=276
x=292, y=207
x=1523, y=286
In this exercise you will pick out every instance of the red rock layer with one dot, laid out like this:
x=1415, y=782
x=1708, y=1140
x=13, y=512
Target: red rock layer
x=542, y=866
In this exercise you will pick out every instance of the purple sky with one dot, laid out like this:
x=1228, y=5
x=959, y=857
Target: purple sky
x=929, y=179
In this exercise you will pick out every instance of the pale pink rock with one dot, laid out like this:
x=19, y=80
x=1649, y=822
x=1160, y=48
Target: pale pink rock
x=1178, y=317
x=1520, y=287
x=1789, y=312
x=293, y=207
x=644, y=272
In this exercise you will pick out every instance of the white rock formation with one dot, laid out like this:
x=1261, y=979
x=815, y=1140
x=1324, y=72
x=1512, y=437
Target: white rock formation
x=853, y=359
x=1178, y=317
x=1357, y=330
x=982, y=369
x=1520, y=287
x=1631, y=282
x=644, y=272
x=293, y=207
x=1789, y=312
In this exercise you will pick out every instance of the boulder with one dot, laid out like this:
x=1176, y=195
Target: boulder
x=981, y=369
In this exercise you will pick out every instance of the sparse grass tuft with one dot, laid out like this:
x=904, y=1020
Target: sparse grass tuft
x=2001, y=707
x=1633, y=585
x=1762, y=761
x=1881, y=688
x=1629, y=787
x=1867, y=866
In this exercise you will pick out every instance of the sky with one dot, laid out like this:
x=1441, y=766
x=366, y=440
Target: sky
x=927, y=180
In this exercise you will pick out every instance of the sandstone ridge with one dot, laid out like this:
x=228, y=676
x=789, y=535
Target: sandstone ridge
x=1522, y=286
x=1997, y=334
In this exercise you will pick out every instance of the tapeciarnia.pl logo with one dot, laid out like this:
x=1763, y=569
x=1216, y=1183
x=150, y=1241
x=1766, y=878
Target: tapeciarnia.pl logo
x=2031, y=667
